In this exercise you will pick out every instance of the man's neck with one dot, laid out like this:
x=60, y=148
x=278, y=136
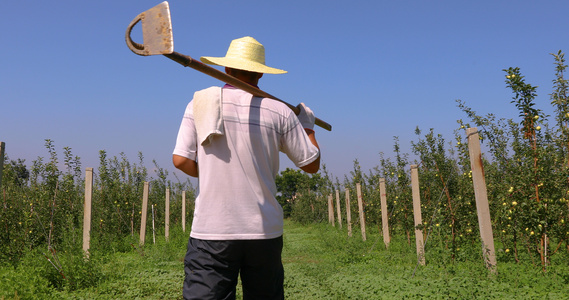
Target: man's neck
x=227, y=85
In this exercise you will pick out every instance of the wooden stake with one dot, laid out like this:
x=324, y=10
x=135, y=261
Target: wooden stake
x=143, y=214
x=482, y=207
x=331, y=210
x=153, y=228
x=384, y=216
x=87, y=210
x=2, y=151
x=184, y=211
x=348, y=213
x=361, y=210
x=417, y=214
x=338, y=209
x=167, y=229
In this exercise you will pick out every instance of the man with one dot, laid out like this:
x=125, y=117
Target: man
x=231, y=141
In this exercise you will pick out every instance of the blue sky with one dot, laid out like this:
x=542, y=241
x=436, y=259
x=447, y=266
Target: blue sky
x=372, y=69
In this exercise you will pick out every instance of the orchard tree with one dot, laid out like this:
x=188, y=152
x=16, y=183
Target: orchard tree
x=291, y=183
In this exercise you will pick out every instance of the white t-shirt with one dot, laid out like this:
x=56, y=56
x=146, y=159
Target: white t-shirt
x=237, y=171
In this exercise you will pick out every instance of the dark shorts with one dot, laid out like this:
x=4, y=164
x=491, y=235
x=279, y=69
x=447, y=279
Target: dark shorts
x=212, y=269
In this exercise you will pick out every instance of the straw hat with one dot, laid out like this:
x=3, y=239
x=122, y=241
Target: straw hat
x=244, y=54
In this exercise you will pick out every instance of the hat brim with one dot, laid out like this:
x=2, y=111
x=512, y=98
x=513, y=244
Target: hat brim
x=241, y=64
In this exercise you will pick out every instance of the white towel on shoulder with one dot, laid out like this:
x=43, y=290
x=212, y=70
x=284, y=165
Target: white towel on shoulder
x=208, y=114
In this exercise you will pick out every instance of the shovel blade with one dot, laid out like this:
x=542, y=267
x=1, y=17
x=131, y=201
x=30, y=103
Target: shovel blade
x=156, y=31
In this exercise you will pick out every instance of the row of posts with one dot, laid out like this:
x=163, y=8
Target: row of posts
x=482, y=207
x=478, y=180
x=87, y=211
x=348, y=212
x=88, y=199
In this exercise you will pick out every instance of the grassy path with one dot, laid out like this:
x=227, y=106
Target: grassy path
x=320, y=263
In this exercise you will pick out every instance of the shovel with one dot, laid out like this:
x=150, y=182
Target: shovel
x=158, y=39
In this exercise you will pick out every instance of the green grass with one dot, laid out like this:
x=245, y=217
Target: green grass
x=320, y=261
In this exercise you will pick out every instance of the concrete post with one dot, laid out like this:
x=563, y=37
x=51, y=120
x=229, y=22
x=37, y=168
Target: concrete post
x=2, y=151
x=361, y=209
x=184, y=211
x=331, y=210
x=482, y=207
x=348, y=213
x=338, y=209
x=87, y=209
x=167, y=221
x=143, y=214
x=384, y=215
x=417, y=214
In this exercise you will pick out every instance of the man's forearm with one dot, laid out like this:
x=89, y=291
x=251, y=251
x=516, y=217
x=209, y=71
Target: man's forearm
x=314, y=166
x=186, y=165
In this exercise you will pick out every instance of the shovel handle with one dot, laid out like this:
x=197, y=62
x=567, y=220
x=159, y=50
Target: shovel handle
x=187, y=61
